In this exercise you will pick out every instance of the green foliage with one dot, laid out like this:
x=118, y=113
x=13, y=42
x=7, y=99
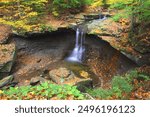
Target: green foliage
x=36, y=5
x=65, y=4
x=120, y=4
x=120, y=85
x=135, y=74
x=138, y=8
x=44, y=28
x=141, y=10
x=118, y=16
x=22, y=15
x=100, y=93
x=43, y=91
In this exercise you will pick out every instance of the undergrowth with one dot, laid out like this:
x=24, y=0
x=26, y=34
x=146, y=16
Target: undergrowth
x=43, y=91
x=121, y=86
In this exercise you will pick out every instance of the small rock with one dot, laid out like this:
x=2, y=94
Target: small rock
x=35, y=80
x=39, y=60
x=5, y=81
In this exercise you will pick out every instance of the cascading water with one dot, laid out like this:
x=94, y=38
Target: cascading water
x=78, y=51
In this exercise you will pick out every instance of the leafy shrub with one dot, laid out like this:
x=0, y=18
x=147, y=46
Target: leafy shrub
x=44, y=28
x=120, y=85
x=100, y=93
x=22, y=15
x=43, y=91
x=141, y=10
x=36, y=5
x=120, y=4
x=65, y=4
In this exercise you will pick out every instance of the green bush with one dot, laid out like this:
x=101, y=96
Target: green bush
x=44, y=28
x=37, y=5
x=118, y=5
x=65, y=4
x=120, y=85
x=100, y=93
x=141, y=10
x=43, y=91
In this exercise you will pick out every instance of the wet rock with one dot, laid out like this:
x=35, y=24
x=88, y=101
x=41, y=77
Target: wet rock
x=61, y=75
x=5, y=81
x=35, y=80
x=5, y=32
x=7, y=57
x=83, y=85
x=91, y=16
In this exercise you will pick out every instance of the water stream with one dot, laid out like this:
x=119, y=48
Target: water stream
x=79, y=49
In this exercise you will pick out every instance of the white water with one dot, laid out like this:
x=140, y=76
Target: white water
x=79, y=49
x=77, y=53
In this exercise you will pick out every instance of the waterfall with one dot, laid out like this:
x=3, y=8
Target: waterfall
x=78, y=51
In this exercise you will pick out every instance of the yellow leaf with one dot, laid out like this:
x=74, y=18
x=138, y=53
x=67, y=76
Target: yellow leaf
x=1, y=92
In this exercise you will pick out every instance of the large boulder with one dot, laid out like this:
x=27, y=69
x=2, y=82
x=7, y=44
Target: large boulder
x=5, y=32
x=7, y=57
x=66, y=76
x=104, y=27
x=61, y=75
